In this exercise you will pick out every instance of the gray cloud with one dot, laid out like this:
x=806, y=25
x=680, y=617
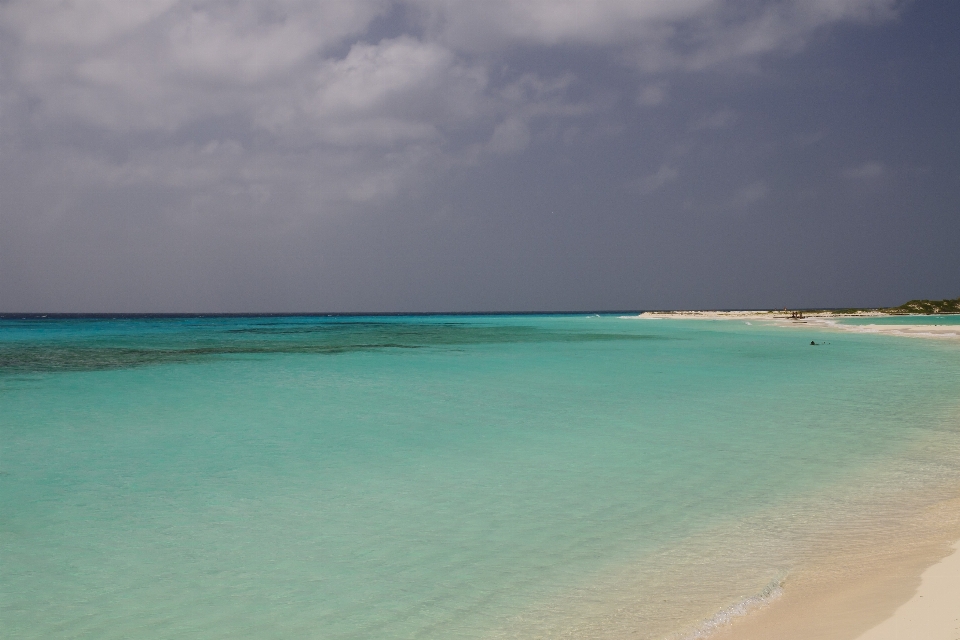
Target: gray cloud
x=718, y=120
x=750, y=195
x=866, y=171
x=261, y=116
x=660, y=178
x=652, y=95
x=301, y=78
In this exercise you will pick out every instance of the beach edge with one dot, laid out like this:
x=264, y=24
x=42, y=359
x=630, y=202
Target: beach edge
x=885, y=603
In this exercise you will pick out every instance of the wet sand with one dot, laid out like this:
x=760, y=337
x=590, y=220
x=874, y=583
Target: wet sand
x=907, y=590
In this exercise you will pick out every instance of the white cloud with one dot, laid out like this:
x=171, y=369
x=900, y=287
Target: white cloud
x=240, y=48
x=58, y=24
x=392, y=73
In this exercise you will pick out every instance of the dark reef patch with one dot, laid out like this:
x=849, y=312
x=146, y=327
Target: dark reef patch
x=157, y=344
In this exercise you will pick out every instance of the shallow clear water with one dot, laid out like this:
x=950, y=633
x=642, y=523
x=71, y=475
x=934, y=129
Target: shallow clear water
x=426, y=477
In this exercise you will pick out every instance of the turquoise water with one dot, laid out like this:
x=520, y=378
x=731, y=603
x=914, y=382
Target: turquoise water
x=428, y=477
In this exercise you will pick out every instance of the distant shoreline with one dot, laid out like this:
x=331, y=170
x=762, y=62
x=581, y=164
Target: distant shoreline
x=823, y=320
x=919, y=307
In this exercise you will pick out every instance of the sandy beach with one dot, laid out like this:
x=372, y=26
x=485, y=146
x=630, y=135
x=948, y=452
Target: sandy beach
x=906, y=606
x=823, y=321
x=907, y=592
x=933, y=613
x=841, y=611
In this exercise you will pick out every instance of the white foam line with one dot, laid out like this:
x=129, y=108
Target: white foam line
x=726, y=616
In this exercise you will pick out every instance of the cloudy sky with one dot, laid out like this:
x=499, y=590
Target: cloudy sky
x=447, y=155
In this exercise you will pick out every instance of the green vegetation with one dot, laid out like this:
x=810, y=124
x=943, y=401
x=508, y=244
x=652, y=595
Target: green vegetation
x=846, y=311
x=927, y=307
x=914, y=307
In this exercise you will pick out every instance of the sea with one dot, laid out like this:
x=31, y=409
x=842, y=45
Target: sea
x=448, y=477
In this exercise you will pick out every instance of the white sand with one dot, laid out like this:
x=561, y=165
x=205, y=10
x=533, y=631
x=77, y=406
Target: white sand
x=948, y=331
x=827, y=321
x=934, y=611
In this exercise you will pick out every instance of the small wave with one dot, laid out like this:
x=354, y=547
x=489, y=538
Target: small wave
x=726, y=616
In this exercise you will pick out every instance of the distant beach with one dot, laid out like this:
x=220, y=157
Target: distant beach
x=922, y=326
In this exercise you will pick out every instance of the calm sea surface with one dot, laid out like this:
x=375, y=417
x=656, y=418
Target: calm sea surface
x=444, y=477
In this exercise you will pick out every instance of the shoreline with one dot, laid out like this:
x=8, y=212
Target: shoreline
x=820, y=320
x=932, y=613
x=911, y=594
x=874, y=605
x=908, y=592
x=845, y=571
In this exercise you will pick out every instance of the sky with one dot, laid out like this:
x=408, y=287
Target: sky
x=505, y=155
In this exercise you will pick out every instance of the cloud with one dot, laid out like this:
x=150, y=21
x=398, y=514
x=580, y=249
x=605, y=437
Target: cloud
x=510, y=136
x=395, y=93
x=497, y=23
x=304, y=95
x=61, y=25
x=722, y=119
x=655, y=181
x=652, y=95
x=867, y=171
x=750, y=195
